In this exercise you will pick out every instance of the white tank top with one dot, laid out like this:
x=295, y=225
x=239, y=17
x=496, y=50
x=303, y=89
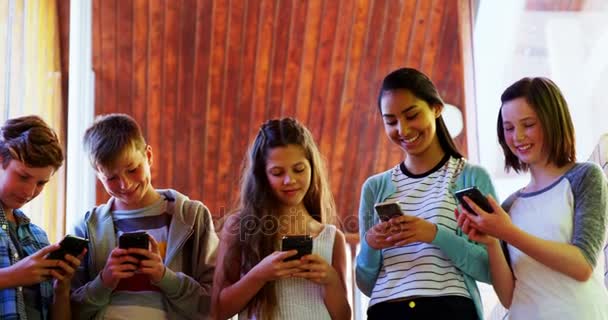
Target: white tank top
x=299, y=298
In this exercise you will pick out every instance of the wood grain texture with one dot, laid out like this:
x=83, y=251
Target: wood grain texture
x=201, y=76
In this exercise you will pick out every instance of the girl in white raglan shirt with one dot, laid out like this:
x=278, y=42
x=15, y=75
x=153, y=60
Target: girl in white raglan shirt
x=554, y=227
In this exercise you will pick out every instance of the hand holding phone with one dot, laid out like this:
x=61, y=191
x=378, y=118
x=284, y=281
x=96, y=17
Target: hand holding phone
x=301, y=243
x=388, y=210
x=476, y=196
x=134, y=240
x=71, y=245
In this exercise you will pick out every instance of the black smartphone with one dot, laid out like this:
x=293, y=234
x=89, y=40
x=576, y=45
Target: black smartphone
x=388, y=210
x=134, y=240
x=301, y=243
x=474, y=194
x=70, y=244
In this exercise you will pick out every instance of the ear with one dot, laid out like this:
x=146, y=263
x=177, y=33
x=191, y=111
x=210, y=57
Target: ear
x=149, y=154
x=438, y=109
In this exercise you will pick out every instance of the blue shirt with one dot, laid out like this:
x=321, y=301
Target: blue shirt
x=32, y=239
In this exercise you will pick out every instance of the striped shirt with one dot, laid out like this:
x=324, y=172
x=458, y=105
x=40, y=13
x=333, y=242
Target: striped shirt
x=136, y=297
x=422, y=269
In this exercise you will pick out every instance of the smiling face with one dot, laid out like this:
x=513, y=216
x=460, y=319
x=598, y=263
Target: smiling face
x=19, y=184
x=523, y=132
x=129, y=179
x=410, y=123
x=288, y=172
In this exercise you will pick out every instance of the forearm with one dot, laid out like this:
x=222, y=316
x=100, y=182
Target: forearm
x=185, y=294
x=561, y=257
x=61, y=305
x=234, y=298
x=502, y=277
x=336, y=302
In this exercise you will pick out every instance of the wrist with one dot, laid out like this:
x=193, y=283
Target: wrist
x=431, y=233
x=105, y=281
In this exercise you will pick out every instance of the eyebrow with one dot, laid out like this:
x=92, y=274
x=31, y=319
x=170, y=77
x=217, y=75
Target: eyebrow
x=406, y=110
x=280, y=167
x=520, y=120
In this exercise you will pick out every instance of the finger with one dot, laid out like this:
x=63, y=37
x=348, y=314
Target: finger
x=311, y=258
x=150, y=263
x=64, y=267
x=125, y=268
x=56, y=275
x=494, y=204
x=456, y=213
x=154, y=245
x=46, y=250
x=466, y=227
x=73, y=261
x=282, y=255
x=292, y=264
x=314, y=267
x=398, y=236
x=128, y=259
x=403, y=219
x=461, y=219
x=118, y=252
x=83, y=253
x=142, y=252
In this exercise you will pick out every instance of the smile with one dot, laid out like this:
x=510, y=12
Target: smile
x=412, y=139
x=524, y=147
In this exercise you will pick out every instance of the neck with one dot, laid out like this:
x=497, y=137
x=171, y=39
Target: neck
x=543, y=176
x=8, y=213
x=427, y=160
x=294, y=221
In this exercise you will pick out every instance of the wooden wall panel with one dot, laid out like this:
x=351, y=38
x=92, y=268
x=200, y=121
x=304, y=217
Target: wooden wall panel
x=202, y=75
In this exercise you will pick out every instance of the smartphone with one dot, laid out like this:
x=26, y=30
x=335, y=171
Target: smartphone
x=474, y=194
x=301, y=243
x=388, y=210
x=134, y=240
x=70, y=244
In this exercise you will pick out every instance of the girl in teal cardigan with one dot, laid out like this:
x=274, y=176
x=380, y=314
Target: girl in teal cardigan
x=419, y=265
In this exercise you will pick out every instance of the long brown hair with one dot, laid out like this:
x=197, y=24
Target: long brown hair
x=257, y=226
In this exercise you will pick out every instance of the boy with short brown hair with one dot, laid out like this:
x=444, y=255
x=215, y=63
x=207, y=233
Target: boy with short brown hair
x=176, y=272
x=31, y=286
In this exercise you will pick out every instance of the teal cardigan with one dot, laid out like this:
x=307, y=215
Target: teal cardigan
x=468, y=256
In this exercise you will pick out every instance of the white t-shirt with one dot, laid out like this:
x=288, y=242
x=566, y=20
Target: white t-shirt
x=572, y=210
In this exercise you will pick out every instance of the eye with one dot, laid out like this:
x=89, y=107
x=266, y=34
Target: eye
x=411, y=117
x=508, y=129
x=112, y=178
x=133, y=170
x=276, y=172
x=529, y=125
x=42, y=183
x=299, y=169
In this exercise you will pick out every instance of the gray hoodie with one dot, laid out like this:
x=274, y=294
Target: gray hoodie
x=190, y=260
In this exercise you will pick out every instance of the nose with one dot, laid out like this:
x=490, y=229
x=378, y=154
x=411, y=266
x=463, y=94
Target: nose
x=30, y=190
x=402, y=127
x=288, y=179
x=124, y=183
x=519, y=134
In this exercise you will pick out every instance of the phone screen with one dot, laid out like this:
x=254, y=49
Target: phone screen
x=71, y=245
x=301, y=243
x=388, y=210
